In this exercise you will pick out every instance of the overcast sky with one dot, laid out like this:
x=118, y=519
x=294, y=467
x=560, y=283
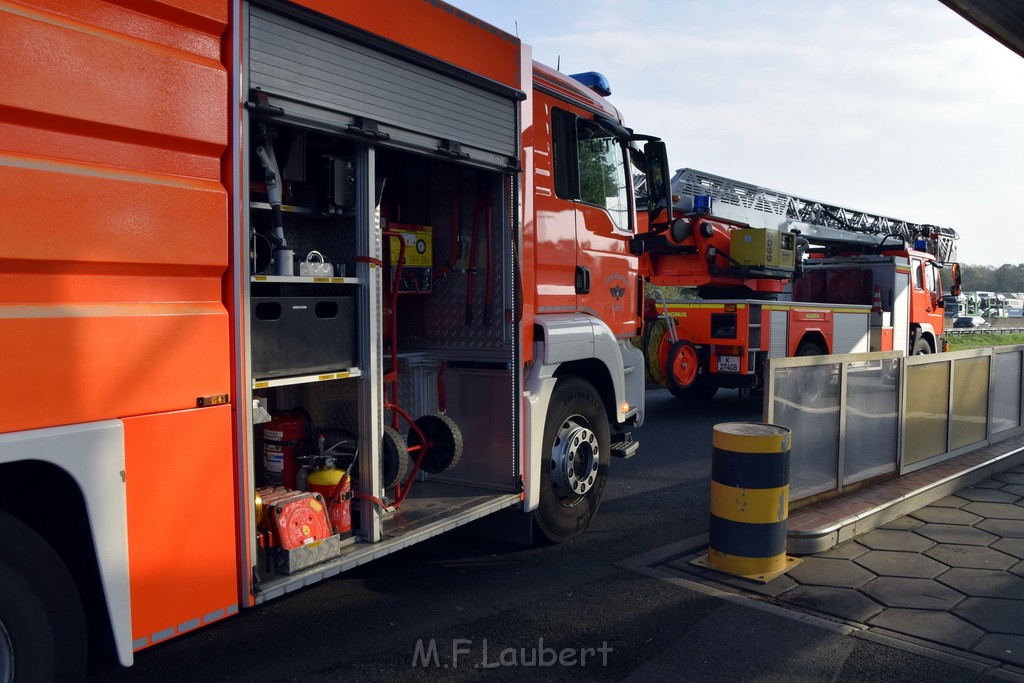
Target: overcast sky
x=896, y=107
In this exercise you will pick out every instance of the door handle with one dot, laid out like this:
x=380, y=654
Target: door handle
x=582, y=280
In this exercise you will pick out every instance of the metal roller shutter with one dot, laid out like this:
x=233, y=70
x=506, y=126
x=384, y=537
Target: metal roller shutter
x=331, y=80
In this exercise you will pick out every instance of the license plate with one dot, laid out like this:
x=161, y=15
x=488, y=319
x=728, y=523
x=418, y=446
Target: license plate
x=728, y=363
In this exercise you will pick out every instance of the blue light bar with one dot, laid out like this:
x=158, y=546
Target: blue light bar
x=702, y=203
x=595, y=82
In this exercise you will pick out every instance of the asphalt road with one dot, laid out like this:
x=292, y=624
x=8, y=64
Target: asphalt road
x=460, y=607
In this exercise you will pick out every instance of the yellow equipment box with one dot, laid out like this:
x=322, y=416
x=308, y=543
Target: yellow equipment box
x=763, y=248
x=417, y=266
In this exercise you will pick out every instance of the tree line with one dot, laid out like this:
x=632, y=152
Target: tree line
x=1004, y=278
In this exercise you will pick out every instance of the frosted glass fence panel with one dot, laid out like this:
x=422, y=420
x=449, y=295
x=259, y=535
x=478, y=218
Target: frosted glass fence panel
x=871, y=433
x=1006, y=394
x=970, y=401
x=927, y=412
x=807, y=401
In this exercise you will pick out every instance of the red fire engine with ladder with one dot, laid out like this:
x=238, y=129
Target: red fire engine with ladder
x=778, y=275
x=286, y=287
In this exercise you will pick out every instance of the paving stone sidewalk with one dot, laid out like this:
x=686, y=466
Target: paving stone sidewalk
x=949, y=576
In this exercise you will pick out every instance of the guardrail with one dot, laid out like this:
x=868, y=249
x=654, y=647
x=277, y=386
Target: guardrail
x=982, y=330
x=871, y=415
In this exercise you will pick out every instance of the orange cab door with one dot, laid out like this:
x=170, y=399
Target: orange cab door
x=604, y=224
x=555, y=255
x=585, y=226
x=926, y=295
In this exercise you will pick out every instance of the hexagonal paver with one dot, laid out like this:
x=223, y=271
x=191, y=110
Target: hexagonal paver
x=984, y=583
x=986, y=495
x=946, y=515
x=1003, y=647
x=971, y=556
x=844, y=551
x=996, y=510
x=845, y=603
x=952, y=533
x=1010, y=546
x=912, y=593
x=905, y=523
x=938, y=627
x=1010, y=477
x=949, y=502
x=993, y=614
x=987, y=484
x=909, y=565
x=893, y=539
x=820, y=571
x=1007, y=528
x=1015, y=489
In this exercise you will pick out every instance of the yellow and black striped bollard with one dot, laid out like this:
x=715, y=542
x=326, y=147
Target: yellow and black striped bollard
x=749, y=500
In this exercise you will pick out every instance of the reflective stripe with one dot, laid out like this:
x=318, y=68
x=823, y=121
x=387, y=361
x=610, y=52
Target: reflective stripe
x=184, y=627
x=752, y=506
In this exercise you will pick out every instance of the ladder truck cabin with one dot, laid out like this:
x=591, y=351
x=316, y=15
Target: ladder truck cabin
x=287, y=287
x=778, y=275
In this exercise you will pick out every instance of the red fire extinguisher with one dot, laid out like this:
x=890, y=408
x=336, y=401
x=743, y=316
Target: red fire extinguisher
x=282, y=438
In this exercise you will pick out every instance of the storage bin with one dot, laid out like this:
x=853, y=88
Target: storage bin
x=302, y=335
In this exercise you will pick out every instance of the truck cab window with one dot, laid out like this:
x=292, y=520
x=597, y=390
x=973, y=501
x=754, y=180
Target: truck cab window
x=590, y=165
x=929, y=278
x=602, y=172
x=918, y=277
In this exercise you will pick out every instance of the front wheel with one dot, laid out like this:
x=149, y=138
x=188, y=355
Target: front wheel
x=42, y=625
x=574, y=464
x=921, y=347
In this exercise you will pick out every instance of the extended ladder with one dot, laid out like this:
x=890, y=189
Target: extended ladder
x=819, y=222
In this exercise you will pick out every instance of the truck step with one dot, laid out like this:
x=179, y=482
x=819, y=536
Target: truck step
x=624, y=446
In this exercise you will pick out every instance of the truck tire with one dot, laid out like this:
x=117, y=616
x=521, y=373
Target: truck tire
x=811, y=381
x=574, y=463
x=810, y=348
x=394, y=458
x=699, y=392
x=42, y=623
x=446, y=438
x=921, y=347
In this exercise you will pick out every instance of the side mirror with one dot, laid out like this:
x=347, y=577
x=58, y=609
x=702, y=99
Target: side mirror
x=955, y=288
x=659, y=187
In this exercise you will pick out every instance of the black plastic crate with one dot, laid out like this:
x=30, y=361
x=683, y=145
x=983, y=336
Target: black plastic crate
x=302, y=335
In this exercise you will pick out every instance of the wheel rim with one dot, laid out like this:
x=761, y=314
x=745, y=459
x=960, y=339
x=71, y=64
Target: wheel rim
x=684, y=365
x=6, y=655
x=574, y=460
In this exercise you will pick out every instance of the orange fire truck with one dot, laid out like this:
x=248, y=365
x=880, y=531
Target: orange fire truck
x=286, y=287
x=779, y=275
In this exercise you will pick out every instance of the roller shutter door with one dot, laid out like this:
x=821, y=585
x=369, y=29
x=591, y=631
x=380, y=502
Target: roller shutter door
x=334, y=81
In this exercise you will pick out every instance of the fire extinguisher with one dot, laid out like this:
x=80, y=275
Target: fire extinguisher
x=335, y=486
x=282, y=438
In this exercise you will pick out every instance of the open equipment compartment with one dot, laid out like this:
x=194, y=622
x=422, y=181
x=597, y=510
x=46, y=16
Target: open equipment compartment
x=416, y=352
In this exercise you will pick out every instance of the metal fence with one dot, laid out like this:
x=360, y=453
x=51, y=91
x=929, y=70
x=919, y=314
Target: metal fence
x=869, y=415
